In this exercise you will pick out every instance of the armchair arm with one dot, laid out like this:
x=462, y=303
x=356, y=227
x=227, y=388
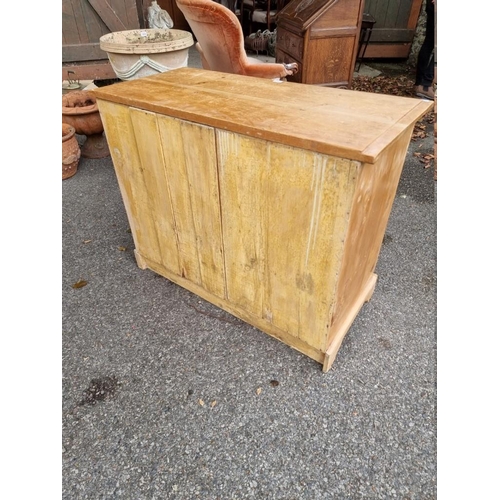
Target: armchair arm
x=291, y=68
x=271, y=70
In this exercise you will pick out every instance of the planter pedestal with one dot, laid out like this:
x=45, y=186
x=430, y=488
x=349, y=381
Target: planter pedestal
x=138, y=53
x=95, y=146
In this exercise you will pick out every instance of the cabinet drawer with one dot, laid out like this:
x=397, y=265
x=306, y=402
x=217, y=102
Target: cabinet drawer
x=290, y=43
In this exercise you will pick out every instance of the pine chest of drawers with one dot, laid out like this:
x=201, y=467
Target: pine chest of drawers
x=269, y=200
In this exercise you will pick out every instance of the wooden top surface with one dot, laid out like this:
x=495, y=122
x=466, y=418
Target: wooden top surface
x=344, y=123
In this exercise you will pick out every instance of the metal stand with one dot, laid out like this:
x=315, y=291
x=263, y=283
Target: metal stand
x=364, y=37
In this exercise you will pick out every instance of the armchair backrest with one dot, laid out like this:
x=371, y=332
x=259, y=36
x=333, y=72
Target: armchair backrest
x=219, y=33
x=221, y=44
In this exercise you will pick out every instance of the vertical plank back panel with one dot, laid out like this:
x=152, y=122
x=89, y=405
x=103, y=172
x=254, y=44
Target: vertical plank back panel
x=155, y=183
x=242, y=163
x=125, y=156
x=306, y=192
x=191, y=161
x=283, y=240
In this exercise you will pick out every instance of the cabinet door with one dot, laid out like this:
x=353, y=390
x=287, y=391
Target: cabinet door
x=394, y=29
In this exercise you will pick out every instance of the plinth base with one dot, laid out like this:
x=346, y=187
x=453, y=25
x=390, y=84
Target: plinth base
x=95, y=146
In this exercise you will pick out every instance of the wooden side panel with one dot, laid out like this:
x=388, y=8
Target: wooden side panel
x=167, y=173
x=129, y=171
x=284, y=213
x=327, y=60
x=373, y=199
x=191, y=168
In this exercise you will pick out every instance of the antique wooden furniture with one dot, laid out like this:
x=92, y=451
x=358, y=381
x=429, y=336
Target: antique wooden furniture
x=274, y=209
x=221, y=44
x=322, y=37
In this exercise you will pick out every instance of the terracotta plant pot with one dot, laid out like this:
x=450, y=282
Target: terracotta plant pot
x=145, y=52
x=70, y=151
x=79, y=109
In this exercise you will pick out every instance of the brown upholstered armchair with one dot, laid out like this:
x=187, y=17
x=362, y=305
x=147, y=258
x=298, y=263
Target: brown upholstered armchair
x=220, y=41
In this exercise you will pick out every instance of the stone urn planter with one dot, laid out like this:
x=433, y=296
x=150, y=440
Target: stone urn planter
x=70, y=151
x=79, y=109
x=138, y=53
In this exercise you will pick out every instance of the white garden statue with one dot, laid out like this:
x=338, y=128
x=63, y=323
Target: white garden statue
x=158, y=18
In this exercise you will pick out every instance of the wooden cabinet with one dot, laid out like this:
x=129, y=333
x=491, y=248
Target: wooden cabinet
x=322, y=37
x=273, y=209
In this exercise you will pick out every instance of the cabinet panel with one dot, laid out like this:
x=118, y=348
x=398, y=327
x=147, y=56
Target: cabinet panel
x=326, y=61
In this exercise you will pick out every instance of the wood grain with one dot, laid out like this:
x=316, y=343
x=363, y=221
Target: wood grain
x=331, y=121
